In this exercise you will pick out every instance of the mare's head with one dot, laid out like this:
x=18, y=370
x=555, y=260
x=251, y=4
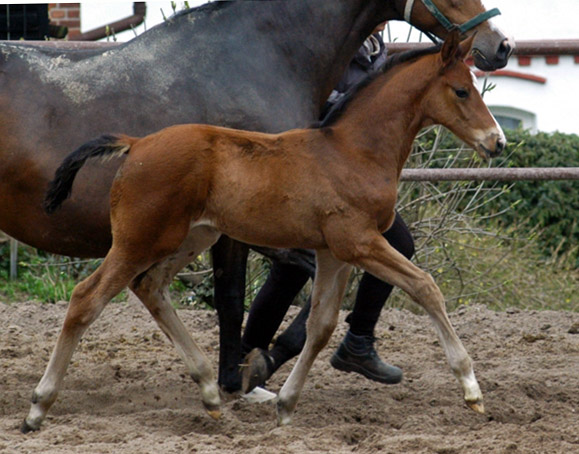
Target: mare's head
x=491, y=48
x=453, y=100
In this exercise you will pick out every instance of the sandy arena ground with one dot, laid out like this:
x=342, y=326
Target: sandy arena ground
x=127, y=391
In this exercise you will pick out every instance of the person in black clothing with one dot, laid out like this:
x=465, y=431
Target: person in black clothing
x=356, y=353
x=369, y=58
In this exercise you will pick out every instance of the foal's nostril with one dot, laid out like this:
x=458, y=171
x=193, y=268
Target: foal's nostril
x=500, y=146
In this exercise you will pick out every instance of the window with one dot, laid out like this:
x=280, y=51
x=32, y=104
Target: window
x=509, y=122
x=513, y=118
x=24, y=21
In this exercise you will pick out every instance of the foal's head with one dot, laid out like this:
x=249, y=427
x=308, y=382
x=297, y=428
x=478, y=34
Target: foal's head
x=453, y=100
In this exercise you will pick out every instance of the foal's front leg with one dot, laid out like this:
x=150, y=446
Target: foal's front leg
x=329, y=286
x=375, y=255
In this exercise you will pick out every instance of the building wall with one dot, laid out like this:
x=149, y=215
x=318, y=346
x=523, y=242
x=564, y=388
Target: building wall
x=66, y=14
x=542, y=92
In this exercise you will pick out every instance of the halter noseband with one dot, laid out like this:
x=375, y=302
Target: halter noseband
x=443, y=20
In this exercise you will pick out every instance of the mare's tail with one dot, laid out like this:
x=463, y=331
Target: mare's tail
x=60, y=188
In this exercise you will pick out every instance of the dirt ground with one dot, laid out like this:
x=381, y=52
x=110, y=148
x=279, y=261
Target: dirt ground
x=127, y=391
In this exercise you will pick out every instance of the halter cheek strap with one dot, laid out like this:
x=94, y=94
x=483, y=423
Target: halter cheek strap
x=408, y=10
x=443, y=20
x=477, y=20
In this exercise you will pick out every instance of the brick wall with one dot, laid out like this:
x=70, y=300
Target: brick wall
x=67, y=14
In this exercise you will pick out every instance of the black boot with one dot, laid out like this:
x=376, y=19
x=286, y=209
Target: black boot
x=357, y=354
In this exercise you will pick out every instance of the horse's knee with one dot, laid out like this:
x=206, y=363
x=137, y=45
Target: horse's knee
x=319, y=330
x=426, y=293
x=229, y=291
x=229, y=262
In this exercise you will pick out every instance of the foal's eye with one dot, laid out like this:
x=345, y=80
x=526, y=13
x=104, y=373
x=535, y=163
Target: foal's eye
x=461, y=93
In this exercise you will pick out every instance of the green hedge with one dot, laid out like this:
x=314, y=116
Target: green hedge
x=547, y=210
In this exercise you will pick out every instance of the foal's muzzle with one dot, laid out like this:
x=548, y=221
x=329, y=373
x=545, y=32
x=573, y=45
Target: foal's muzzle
x=493, y=147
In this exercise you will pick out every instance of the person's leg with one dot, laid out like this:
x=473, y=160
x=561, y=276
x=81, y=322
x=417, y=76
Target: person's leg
x=265, y=316
x=260, y=363
x=271, y=304
x=356, y=353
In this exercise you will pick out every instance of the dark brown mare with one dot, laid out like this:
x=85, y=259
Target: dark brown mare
x=246, y=64
x=331, y=189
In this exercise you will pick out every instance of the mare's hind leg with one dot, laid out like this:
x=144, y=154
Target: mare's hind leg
x=87, y=302
x=375, y=255
x=152, y=289
x=329, y=286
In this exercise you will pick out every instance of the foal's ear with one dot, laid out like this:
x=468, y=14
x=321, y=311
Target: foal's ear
x=454, y=50
x=450, y=49
x=466, y=45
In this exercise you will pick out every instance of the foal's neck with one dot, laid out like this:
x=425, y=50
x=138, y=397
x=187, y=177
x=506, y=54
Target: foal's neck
x=383, y=120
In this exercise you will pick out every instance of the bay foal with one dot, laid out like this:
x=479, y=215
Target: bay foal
x=331, y=189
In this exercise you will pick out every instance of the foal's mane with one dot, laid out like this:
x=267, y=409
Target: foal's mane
x=391, y=62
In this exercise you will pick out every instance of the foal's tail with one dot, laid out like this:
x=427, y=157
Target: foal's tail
x=60, y=188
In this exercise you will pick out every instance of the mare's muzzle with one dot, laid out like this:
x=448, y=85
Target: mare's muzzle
x=490, y=56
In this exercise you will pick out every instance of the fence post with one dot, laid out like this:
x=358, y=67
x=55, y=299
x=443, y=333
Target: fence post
x=13, y=259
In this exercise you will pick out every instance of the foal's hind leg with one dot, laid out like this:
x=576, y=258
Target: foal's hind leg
x=152, y=289
x=329, y=286
x=87, y=302
x=375, y=255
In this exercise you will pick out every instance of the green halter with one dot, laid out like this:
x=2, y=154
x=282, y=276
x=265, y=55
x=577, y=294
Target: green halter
x=443, y=20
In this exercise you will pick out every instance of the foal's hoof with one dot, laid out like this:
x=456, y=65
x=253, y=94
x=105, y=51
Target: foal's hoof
x=215, y=414
x=27, y=428
x=284, y=416
x=256, y=369
x=213, y=410
x=477, y=406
